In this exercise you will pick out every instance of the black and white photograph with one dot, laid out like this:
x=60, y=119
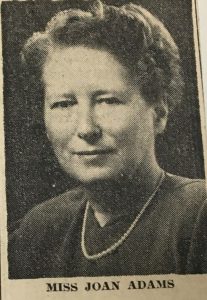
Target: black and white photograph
x=104, y=155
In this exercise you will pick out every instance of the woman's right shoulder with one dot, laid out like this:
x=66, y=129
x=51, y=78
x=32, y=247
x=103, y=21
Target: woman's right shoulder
x=53, y=213
x=41, y=231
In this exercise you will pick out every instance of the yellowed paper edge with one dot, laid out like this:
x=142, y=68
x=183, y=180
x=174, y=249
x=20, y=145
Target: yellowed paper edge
x=189, y=287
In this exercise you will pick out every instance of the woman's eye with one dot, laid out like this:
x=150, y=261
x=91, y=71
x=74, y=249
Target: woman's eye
x=63, y=104
x=111, y=100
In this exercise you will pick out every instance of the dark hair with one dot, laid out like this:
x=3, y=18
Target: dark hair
x=137, y=39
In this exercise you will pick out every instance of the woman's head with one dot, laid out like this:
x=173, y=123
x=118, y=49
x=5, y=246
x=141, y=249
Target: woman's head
x=137, y=39
x=109, y=76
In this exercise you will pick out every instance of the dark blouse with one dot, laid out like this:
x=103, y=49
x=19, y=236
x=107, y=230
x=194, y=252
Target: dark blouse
x=170, y=237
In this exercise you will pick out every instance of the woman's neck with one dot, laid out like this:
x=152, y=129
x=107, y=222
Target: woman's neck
x=126, y=195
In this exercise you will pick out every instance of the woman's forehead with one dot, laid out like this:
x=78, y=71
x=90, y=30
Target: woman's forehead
x=80, y=54
x=79, y=67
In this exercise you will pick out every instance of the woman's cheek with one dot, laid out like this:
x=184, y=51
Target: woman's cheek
x=60, y=126
x=114, y=118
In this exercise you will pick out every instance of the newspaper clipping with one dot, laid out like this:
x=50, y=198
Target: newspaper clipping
x=103, y=160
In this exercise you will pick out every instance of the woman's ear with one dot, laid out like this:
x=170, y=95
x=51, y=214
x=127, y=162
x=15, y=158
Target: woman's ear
x=160, y=117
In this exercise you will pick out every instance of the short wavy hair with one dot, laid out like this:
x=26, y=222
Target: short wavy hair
x=132, y=34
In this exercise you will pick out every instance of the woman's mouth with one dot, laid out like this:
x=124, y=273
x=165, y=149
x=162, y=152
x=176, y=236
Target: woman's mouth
x=94, y=152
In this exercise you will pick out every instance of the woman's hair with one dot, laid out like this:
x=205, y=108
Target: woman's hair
x=134, y=36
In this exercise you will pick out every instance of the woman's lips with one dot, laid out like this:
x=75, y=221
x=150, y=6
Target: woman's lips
x=94, y=152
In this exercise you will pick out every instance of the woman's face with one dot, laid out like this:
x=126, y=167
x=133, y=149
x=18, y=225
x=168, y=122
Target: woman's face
x=98, y=123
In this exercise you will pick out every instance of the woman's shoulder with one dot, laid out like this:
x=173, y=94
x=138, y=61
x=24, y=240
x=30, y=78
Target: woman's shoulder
x=186, y=188
x=67, y=202
x=184, y=198
x=41, y=231
x=53, y=213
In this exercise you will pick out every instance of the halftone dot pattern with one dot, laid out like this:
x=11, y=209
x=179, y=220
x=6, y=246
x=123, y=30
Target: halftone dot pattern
x=171, y=235
x=33, y=173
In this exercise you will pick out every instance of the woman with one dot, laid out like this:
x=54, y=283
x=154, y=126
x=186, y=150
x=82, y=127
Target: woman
x=110, y=76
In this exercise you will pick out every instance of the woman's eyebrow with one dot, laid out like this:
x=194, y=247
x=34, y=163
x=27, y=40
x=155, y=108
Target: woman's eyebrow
x=101, y=92
x=64, y=96
x=56, y=95
x=106, y=92
x=94, y=94
x=67, y=95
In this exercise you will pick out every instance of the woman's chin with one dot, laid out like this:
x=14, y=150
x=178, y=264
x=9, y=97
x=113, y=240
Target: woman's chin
x=95, y=175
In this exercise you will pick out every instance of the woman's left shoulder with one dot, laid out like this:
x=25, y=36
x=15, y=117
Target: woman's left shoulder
x=187, y=191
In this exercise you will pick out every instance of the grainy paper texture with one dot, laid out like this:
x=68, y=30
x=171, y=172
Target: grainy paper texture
x=104, y=116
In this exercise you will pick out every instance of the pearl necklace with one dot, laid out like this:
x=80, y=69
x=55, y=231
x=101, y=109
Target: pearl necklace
x=113, y=247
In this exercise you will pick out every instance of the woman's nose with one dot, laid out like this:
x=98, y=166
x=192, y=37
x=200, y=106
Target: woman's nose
x=88, y=129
